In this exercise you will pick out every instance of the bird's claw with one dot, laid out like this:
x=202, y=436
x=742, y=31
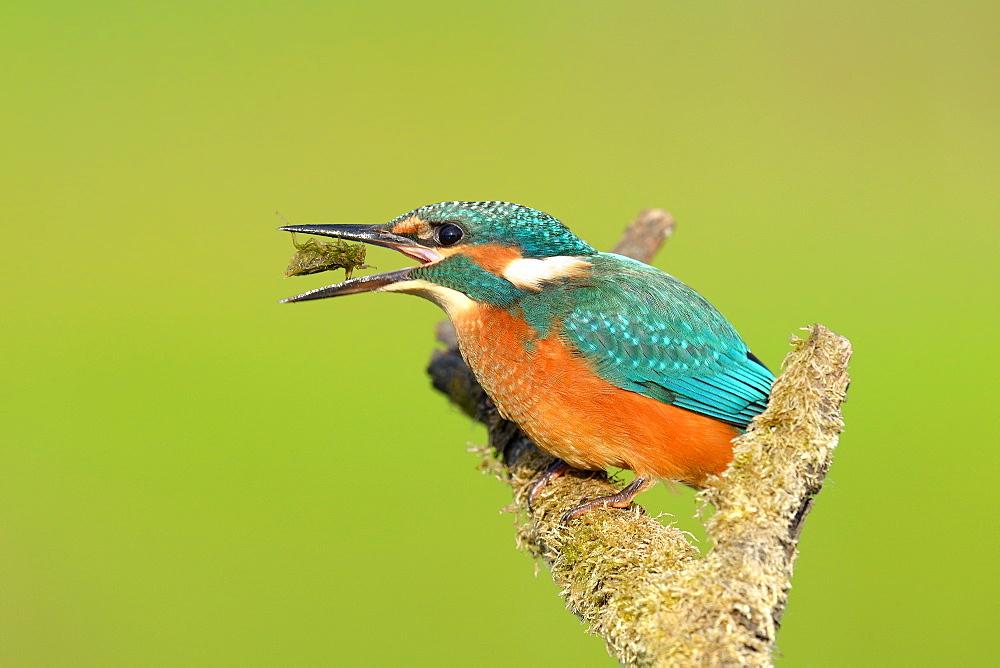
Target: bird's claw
x=556, y=469
x=622, y=499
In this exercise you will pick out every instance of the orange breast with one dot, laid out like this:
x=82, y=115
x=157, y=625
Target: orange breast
x=573, y=414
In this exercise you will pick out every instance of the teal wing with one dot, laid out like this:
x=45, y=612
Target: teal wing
x=645, y=331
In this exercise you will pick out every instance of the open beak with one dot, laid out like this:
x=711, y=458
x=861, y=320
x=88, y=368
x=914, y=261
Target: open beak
x=369, y=234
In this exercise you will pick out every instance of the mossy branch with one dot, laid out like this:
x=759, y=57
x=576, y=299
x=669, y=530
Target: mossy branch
x=642, y=586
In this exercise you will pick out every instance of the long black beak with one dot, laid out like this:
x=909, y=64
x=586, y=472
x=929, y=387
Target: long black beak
x=369, y=234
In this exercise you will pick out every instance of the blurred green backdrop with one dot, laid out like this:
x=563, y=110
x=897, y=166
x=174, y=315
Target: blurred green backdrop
x=193, y=474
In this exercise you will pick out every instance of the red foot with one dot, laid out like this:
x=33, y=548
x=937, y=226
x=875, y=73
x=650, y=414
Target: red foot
x=622, y=499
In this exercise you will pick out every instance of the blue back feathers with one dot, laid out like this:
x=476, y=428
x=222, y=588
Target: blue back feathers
x=645, y=331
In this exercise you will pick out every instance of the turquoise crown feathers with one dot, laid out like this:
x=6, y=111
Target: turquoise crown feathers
x=538, y=234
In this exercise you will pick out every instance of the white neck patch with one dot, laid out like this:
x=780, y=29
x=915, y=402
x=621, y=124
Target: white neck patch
x=531, y=273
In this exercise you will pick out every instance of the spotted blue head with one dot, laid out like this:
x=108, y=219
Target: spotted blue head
x=470, y=252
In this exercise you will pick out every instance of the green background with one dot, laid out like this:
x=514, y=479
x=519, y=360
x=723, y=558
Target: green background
x=193, y=474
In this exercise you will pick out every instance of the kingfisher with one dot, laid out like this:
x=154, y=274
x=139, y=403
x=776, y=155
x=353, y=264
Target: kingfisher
x=602, y=360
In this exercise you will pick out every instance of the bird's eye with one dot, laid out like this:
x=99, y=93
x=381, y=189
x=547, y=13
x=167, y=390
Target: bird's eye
x=449, y=234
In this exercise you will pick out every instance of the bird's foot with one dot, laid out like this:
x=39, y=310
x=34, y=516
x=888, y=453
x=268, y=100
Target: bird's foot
x=557, y=468
x=622, y=499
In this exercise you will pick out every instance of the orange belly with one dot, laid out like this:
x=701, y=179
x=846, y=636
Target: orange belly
x=573, y=414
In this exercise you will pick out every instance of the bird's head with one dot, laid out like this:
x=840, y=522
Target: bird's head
x=469, y=252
